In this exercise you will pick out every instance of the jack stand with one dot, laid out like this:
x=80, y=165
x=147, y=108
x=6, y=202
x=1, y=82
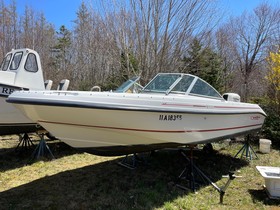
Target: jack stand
x=189, y=173
x=130, y=162
x=194, y=169
x=42, y=149
x=247, y=149
x=25, y=142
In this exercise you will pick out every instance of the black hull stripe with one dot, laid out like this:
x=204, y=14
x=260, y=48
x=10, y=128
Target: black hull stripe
x=121, y=107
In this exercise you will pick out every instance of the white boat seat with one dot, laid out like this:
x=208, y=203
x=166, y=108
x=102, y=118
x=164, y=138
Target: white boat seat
x=48, y=84
x=63, y=84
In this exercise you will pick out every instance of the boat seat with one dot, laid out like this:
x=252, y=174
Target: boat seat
x=48, y=84
x=63, y=84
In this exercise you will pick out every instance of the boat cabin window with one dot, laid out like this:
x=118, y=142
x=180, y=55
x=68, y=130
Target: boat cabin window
x=16, y=61
x=6, y=62
x=202, y=88
x=161, y=83
x=31, y=63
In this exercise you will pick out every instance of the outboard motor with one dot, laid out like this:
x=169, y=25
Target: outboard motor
x=231, y=97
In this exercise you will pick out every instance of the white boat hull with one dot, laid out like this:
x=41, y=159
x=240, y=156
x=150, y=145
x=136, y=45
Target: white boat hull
x=13, y=121
x=127, y=128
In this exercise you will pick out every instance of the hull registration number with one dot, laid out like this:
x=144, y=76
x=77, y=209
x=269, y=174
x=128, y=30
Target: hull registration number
x=170, y=117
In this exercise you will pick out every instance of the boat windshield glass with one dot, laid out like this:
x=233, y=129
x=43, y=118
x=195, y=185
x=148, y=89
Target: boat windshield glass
x=6, y=62
x=31, y=64
x=161, y=83
x=202, y=88
x=129, y=85
x=183, y=85
x=16, y=61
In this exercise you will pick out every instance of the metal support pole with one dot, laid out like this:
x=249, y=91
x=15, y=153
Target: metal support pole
x=247, y=149
x=42, y=149
x=193, y=169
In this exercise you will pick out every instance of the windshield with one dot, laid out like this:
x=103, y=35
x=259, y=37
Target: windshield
x=202, y=88
x=31, y=63
x=161, y=83
x=129, y=86
x=6, y=62
x=16, y=61
x=181, y=84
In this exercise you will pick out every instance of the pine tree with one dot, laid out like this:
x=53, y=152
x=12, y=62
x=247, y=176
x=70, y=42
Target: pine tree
x=61, y=49
x=60, y=64
x=204, y=63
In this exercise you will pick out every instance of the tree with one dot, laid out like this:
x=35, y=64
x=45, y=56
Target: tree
x=273, y=78
x=94, y=48
x=62, y=48
x=60, y=62
x=203, y=62
x=193, y=62
x=157, y=33
x=8, y=27
x=129, y=68
x=248, y=37
x=44, y=39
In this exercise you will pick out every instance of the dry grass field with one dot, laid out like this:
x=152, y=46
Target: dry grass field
x=77, y=180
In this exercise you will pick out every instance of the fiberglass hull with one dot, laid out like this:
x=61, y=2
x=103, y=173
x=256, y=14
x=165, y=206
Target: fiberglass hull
x=120, y=123
x=12, y=120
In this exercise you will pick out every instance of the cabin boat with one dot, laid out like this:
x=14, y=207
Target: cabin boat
x=20, y=70
x=172, y=110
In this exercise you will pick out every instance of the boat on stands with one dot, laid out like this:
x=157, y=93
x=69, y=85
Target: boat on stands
x=20, y=70
x=172, y=110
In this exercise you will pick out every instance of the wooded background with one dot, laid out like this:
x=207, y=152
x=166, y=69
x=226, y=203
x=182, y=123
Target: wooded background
x=120, y=39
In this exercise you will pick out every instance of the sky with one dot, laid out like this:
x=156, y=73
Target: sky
x=63, y=12
x=58, y=12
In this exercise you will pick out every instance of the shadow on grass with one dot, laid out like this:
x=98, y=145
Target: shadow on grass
x=276, y=145
x=13, y=157
x=107, y=185
x=261, y=196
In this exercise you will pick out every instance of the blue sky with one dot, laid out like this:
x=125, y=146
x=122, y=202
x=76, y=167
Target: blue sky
x=63, y=12
x=58, y=12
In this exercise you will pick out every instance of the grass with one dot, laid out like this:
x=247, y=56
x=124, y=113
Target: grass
x=76, y=180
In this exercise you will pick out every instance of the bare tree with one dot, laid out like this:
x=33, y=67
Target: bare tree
x=14, y=24
x=94, y=48
x=8, y=25
x=225, y=44
x=29, y=30
x=44, y=40
x=157, y=33
x=248, y=38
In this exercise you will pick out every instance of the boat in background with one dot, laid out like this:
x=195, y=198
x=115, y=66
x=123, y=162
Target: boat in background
x=172, y=110
x=20, y=70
